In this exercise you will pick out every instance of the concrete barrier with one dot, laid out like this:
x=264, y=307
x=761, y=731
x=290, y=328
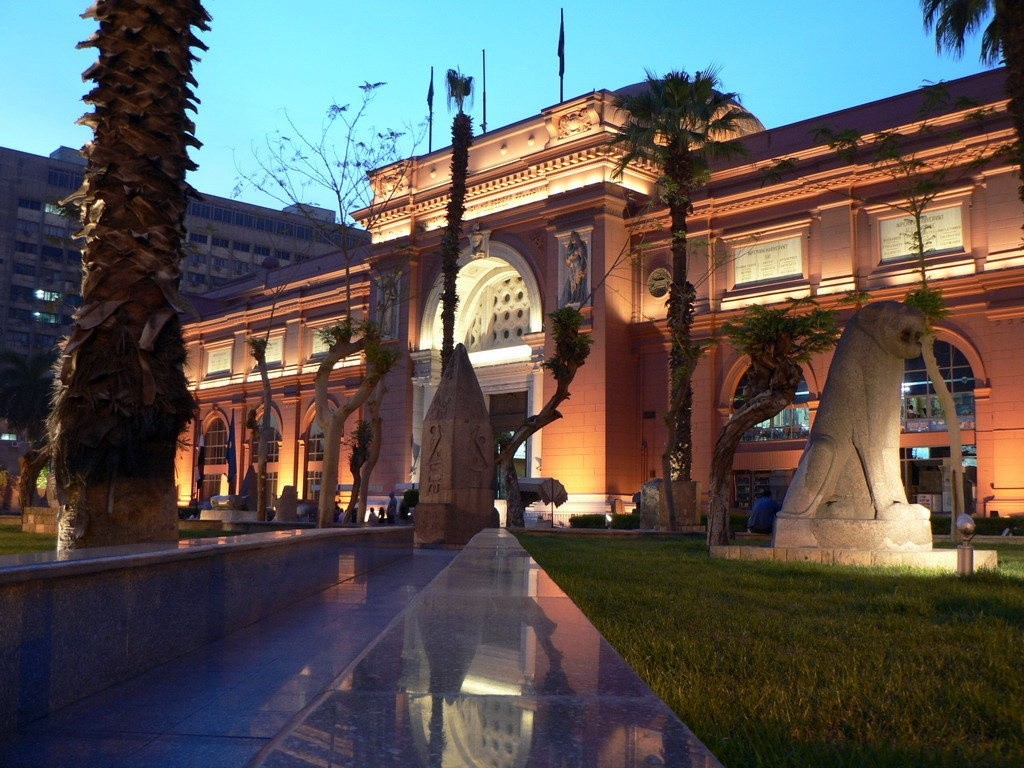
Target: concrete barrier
x=74, y=627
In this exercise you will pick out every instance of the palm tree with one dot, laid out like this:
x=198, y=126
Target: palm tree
x=121, y=397
x=460, y=92
x=1002, y=39
x=26, y=382
x=680, y=124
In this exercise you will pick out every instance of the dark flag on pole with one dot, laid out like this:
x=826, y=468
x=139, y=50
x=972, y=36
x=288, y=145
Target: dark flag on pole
x=229, y=456
x=200, y=466
x=430, y=112
x=561, y=51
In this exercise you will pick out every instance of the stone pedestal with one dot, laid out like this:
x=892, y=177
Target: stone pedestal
x=287, y=504
x=457, y=461
x=892, y=535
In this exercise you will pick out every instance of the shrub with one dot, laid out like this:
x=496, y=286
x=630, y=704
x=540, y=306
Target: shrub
x=629, y=522
x=411, y=498
x=588, y=521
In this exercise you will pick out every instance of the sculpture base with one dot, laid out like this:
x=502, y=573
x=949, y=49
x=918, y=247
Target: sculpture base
x=939, y=559
x=830, y=533
x=449, y=525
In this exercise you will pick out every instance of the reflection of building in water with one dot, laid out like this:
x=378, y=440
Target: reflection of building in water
x=545, y=183
x=492, y=669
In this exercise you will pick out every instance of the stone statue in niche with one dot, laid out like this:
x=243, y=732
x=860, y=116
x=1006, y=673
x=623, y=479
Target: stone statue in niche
x=576, y=260
x=479, y=241
x=388, y=292
x=850, y=469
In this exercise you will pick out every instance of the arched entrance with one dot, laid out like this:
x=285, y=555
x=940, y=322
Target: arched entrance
x=499, y=319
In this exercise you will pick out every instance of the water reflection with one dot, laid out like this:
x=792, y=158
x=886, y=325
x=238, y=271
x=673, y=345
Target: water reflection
x=493, y=667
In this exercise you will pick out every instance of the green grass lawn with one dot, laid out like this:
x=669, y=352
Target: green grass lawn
x=777, y=664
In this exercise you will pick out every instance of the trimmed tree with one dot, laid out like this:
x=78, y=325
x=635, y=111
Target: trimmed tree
x=122, y=399
x=777, y=341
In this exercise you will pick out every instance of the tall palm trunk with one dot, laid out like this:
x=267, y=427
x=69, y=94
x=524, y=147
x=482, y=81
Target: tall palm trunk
x=122, y=399
x=462, y=139
x=677, y=460
x=1010, y=18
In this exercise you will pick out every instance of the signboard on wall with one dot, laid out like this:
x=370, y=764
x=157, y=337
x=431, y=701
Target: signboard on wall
x=941, y=229
x=770, y=260
x=218, y=361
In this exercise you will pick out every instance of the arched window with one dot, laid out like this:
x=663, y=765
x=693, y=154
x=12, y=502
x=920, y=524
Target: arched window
x=216, y=440
x=315, y=443
x=791, y=423
x=273, y=441
x=921, y=409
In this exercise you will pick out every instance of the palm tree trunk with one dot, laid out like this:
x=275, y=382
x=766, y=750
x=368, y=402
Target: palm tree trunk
x=1010, y=19
x=122, y=399
x=462, y=140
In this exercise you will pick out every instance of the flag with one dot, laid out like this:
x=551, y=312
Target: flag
x=229, y=454
x=561, y=43
x=200, y=465
x=430, y=92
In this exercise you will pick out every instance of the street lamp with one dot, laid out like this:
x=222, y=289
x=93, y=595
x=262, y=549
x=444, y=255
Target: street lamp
x=964, y=550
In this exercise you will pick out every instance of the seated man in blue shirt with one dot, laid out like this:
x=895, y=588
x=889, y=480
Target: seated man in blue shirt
x=762, y=515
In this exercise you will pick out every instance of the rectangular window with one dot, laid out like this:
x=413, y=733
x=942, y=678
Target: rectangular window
x=261, y=250
x=220, y=263
x=239, y=268
x=22, y=247
x=47, y=318
x=283, y=255
x=42, y=295
x=197, y=258
x=27, y=227
x=52, y=253
x=21, y=293
x=17, y=313
x=52, y=230
x=314, y=482
x=221, y=242
x=239, y=246
x=58, y=177
x=21, y=268
x=195, y=237
x=32, y=205
x=44, y=340
x=17, y=338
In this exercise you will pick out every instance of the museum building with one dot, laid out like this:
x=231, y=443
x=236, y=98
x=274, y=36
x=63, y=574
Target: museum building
x=805, y=213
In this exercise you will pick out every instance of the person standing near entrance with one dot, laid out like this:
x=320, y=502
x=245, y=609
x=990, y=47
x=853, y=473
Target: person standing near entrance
x=392, y=511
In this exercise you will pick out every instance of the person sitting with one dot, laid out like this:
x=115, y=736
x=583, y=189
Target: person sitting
x=762, y=515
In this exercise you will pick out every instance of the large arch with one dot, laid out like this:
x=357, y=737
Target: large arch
x=476, y=276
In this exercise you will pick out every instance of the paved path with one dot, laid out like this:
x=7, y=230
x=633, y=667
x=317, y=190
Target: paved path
x=221, y=705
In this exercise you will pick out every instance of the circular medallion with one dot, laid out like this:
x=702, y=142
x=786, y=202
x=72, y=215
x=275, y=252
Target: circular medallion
x=658, y=282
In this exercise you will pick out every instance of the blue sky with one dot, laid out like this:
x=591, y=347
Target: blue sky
x=789, y=61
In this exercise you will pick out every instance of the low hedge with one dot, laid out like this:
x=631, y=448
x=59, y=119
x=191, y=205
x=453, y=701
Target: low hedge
x=588, y=521
x=629, y=522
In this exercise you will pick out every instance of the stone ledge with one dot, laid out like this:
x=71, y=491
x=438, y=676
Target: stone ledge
x=941, y=559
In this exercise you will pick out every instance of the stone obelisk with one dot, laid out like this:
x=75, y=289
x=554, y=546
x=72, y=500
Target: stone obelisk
x=457, y=466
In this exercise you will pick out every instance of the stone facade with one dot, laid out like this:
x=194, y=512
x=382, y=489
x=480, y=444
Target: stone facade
x=826, y=226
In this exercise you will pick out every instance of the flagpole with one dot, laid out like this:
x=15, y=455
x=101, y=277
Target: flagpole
x=483, y=124
x=430, y=113
x=561, y=54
